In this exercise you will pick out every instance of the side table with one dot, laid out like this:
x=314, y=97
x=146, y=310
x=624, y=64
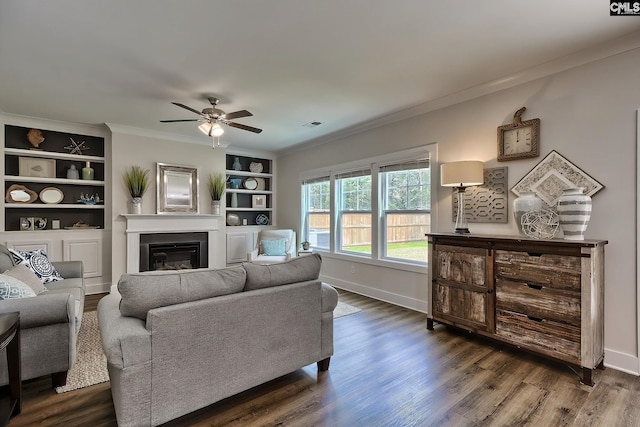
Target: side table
x=10, y=340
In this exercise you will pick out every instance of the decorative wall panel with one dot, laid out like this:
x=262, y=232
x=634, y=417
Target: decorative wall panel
x=487, y=202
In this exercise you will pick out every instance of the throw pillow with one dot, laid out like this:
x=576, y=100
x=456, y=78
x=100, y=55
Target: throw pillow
x=299, y=269
x=11, y=288
x=37, y=262
x=274, y=247
x=25, y=275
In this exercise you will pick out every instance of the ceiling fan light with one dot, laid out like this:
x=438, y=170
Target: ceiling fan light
x=216, y=130
x=206, y=128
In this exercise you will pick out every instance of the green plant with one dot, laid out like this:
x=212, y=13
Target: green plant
x=136, y=180
x=217, y=185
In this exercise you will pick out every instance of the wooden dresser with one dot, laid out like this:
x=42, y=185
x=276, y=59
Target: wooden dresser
x=546, y=296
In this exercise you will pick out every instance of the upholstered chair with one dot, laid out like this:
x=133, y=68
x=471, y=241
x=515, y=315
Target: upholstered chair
x=273, y=246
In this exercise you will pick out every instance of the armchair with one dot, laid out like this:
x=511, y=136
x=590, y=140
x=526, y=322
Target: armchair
x=273, y=249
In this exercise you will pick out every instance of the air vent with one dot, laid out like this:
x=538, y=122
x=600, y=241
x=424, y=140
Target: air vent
x=312, y=124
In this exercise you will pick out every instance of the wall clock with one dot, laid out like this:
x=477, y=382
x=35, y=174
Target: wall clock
x=520, y=139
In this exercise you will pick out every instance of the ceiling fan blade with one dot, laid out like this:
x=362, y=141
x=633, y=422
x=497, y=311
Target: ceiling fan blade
x=187, y=108
x=183, y=120
x=237, y=115
x=244, y=127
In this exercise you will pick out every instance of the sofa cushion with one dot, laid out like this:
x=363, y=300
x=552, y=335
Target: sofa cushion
x=142, y=292
x=273, y=247
x=38, y=262
x=26, y=275
x=10, y=288
x=298, y=269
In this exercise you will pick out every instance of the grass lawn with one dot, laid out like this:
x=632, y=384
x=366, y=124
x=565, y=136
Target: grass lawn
x=416, y=251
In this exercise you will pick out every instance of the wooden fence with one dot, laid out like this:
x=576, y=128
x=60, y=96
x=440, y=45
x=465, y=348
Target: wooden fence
x=356, y=228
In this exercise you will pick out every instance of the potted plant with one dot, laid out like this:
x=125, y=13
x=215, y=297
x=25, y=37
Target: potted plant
x=217, y=185
x=136, y=180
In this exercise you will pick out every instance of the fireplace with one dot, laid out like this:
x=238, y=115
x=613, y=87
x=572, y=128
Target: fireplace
x=173, y=251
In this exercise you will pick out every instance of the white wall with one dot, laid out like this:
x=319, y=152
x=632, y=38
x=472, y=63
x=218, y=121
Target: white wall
x=129, y=149
x=588, y=114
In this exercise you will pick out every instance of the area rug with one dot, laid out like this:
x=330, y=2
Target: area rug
x=344, y=309
x=90, y=366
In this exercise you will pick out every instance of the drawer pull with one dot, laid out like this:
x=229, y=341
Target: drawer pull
x=536, y=287
x=534, y=254
x=535, y=319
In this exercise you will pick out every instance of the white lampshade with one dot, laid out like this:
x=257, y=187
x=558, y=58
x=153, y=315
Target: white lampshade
x=461, y=174
x=205, y=128
x=216, y=130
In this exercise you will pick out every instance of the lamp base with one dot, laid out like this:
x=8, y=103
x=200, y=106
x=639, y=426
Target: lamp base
x=461, y=231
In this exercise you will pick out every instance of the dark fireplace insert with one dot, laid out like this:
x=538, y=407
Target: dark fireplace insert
x=173, y=251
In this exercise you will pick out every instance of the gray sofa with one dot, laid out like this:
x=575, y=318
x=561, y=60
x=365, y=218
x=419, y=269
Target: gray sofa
x=49, y=323
x=180, y=341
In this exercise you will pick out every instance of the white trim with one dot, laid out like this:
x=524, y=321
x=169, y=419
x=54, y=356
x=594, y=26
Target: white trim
x=54, y=125
x=148, y=133
x=637, y=237
x=392, y=298
x=621, y=361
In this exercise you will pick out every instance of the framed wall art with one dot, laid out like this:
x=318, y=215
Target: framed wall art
x=37, y=167
x=554, y=174
x=177, y=189
x=258, y=201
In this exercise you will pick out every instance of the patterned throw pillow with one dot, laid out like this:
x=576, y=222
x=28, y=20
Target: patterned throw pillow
x=274, y=247
x=37, y=262
x=10, y=288
x=27, y=276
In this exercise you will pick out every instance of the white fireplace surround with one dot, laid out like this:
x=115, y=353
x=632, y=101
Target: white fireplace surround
x=174, y=223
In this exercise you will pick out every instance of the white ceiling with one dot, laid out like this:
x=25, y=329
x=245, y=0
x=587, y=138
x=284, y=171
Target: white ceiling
x=343, y=63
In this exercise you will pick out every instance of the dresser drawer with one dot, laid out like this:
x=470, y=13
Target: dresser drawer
x=556, y=339
x=549, y=270
x=539, y=302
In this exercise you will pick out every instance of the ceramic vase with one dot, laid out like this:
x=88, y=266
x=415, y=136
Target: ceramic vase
x=136, y=206
x=215, y=207
x=255, y=167
x=73, y=173
x=526, y=202
x=234, y=200
x=87, y=172
x=236, y=164
x=574, y=210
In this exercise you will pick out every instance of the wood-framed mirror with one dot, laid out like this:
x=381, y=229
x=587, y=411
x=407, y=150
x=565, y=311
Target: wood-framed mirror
x=177, y=189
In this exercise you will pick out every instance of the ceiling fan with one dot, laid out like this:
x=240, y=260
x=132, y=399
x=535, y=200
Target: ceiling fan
x=212, y=117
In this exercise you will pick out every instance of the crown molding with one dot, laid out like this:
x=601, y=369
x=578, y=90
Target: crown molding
x=55, y=125
x=594, y=53
x=148, y=133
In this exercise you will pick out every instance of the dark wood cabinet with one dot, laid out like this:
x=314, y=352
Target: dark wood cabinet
x=546, y=296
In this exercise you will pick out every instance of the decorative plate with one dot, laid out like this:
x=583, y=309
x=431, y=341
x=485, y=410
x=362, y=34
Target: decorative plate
x=261, y=184
x=20, y=194
x=250, y=184
x=262, y=219
x=51, y=195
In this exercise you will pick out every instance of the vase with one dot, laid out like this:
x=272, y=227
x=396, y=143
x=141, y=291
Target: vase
x=236, y=164
x=136, y=206
x=234, y=200
x=215, y=207
x=526, y=202
x=73, y=173
x=87, y=171
x=574, y=210
x=255, y=167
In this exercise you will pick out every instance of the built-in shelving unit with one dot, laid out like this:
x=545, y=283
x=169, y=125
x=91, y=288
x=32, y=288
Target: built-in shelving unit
x=242, y=199
x=46, y=167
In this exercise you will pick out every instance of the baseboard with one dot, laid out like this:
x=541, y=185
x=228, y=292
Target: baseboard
x=390, y=297
x=622, y=362
x=97, y=288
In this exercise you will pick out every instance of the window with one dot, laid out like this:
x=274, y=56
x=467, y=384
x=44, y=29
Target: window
x=406, y=209
x=316, y=196
x=353, y=190
x=378, y=208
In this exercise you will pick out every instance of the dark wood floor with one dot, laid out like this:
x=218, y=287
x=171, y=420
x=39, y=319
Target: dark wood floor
x=388, y=370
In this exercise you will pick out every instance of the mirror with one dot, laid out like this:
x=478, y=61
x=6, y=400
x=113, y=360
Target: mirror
x=177, y=189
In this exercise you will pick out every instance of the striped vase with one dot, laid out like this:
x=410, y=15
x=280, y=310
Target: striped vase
x=574, y=210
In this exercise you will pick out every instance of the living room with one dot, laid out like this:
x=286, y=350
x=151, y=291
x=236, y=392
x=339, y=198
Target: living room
x=585, y=98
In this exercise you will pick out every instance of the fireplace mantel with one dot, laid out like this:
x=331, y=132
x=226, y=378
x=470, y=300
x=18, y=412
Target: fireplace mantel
x=169, y=223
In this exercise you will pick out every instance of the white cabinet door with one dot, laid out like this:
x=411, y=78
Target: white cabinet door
x=237, y=244
x=89, y=251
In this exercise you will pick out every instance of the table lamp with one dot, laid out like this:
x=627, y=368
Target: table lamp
x=461, y=175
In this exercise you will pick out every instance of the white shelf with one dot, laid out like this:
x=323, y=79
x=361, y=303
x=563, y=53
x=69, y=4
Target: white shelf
x=18, y=178
x=52, y=155
x=230, y=209
x=247, y=173
x=52, y=206
x=240, y=190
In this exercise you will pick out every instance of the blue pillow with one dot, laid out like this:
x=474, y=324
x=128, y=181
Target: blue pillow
x=274, y=247
x=37, y=261
x=10, y=288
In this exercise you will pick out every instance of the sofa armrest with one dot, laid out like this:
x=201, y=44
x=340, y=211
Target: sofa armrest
x=42, y=310
x=125, y=340
x=251, y=256
x=329, y=298
x=69, y=269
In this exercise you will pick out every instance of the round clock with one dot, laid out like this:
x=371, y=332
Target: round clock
x=519, y=140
